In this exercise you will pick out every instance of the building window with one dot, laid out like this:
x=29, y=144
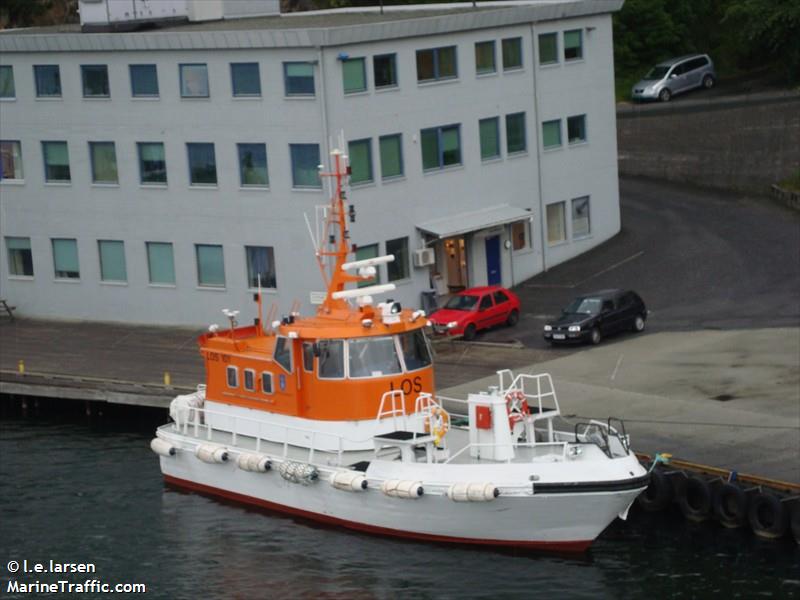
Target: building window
x=519, y=235
x=260, y=267
x=436, y=64
x=250, y=380
x=441, y=147
x=7, y=82
x=298, y=78
x=245, y=80
x=573, y=44
x=576, y=129
x=210, y=265
x=512, y=54
x=391, y=149
x=556, y=223
x=56, y=162
x=232, y=376
x=104, y=162
x=515, y=133
x=266, y=382
x=398, y=269
x=48, y=81
x=581, y=225
x=160, y=263
x=384, y=67
x=305, y=165
x=484, y=57
x=144, y=81
x=152, y=163
x=363, y=253
x=11, y=160
x=354, y=75
x=253, y=165
x=548, y=48
x=112, y=260
x=194, y=80
x=489, y=130
x=551, y=134
x=65, y=259
x=20, y=258
x=202, y=164
x=95, y=81
x=360, y=156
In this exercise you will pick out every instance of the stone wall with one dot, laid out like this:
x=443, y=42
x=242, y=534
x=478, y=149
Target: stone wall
x=744, y=143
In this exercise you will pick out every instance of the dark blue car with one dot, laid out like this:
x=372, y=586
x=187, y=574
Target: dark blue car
x=591, y=317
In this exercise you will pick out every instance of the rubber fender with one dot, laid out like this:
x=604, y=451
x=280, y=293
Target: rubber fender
x=729, y=505
x=695, y=499
x=162, y=447
x=794, y=521
x=768, y=516
x=658, y=494
x=211, y=454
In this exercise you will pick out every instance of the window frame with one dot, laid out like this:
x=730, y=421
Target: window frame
x=295, y=184
x=252, y=374
x=13, y=88
x=271, y=390
x=588, y=233
x=393, y=69
x=371, y=171
x=579, y=47
x=499, y=153
x=560, y=143
x=200, y=281
x=100, y=69
x=519, y=53
x=251, y=64
x=201, y=184
x=93, y=147
x=356, y=59
x=287, y=92
x=131, y=70
x=182, y=83
x=56, y=271
x=45, y=164
x=148, y=246
x=103, y=278
x=526, y=234
x=12, y=252
x=486, y=71
x=564, y=237
x=37, y=81
x=580, y=140
x=139, y=146
x=402, y=260
x=344, y=355
x=270, y=263
x=510, y=118
x=242, y=146
x=288, y=344
x=556, y=57
x=436, y=63
x=232, y=369
x=440, y=130
x=14, y=144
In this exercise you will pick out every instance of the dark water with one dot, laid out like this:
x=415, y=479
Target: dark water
x=89, y=490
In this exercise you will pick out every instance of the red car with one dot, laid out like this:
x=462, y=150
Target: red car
x=476, y=308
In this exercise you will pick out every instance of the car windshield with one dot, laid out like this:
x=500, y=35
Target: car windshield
x=465, y=302
x=584, y=306
x=656, y=73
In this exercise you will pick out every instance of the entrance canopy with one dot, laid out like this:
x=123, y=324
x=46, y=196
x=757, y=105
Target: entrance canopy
x=465, y=222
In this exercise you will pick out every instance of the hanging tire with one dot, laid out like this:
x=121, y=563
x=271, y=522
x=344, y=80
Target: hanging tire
x=695, y=499
x=730, y=505
x=794, y=521
x=658, y=494
x=768, y=516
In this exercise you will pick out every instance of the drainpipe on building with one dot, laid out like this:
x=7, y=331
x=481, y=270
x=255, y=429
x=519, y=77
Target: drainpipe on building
x=510, y=237
x=538, y=150
x=323, y=107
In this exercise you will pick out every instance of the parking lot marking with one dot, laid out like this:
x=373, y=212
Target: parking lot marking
x=619, y=362
x=570, y=286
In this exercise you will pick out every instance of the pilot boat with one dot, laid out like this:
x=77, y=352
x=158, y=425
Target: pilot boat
x=334, y=417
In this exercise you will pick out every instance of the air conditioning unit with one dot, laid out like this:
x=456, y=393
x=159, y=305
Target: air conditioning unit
x=424, y=257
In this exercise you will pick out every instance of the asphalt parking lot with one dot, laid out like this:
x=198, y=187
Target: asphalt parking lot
x=700, y=259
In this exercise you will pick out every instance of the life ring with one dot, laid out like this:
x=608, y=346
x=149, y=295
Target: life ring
x=440, y=424
x=694, y=499
x=729, y=505
x=768, y=516
x=658, y=494
x=517, y=406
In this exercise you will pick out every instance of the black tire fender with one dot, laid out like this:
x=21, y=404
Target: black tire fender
x=695, y=499
x=729, y=505
x=768, y=516
x=658, y=494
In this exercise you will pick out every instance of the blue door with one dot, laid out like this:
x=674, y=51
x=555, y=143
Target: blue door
x=493, y=260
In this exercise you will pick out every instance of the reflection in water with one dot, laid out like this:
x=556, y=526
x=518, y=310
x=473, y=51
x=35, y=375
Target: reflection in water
x=81, y=493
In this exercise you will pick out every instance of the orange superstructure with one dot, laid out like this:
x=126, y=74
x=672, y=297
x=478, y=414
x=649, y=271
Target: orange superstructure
x=336, y=365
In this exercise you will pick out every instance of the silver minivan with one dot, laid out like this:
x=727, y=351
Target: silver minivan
x=675, y=76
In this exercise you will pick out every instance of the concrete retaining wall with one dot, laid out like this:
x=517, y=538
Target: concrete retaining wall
x=742, y=143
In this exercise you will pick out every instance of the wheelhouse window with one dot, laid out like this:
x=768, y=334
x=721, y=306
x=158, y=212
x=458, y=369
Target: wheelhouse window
x=298, y=78
x=354, y=75
x=436, y=64
x=194, y=80
x=232, y=374
x=283, y=353
x=95, y=81
x=512, y=54
x=11, y=160
x=441, y=147
x=384, y=67
x=484, y=57
x=7, y=82
x=548, y=48
x=65, y=259
x=373, y=357
x=250, y=380
x=245, y=80
x=152, y=163
x=144, y=81
x=330, y=364
x=308, y=357
x=573, y=45
x=48, y=81
x=415, y=349
x=20, y=257
x=266, y=382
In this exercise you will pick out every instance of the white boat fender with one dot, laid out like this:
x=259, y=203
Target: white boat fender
x=211, y=454
x=348, y=481
x=254, y=463
x=398, y=488
x=472, y=492
x=162, y=447
x=298, y=472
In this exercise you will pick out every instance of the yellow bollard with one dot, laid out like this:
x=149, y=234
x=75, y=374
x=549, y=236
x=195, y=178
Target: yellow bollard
x=21, y=367
x=167, y=379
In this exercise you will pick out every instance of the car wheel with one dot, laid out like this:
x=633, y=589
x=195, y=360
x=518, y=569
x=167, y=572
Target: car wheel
x=469, y=332
x=665, y=95
x=596, y=336
x=513, y=318
x=638, y=323
x=708, y=82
